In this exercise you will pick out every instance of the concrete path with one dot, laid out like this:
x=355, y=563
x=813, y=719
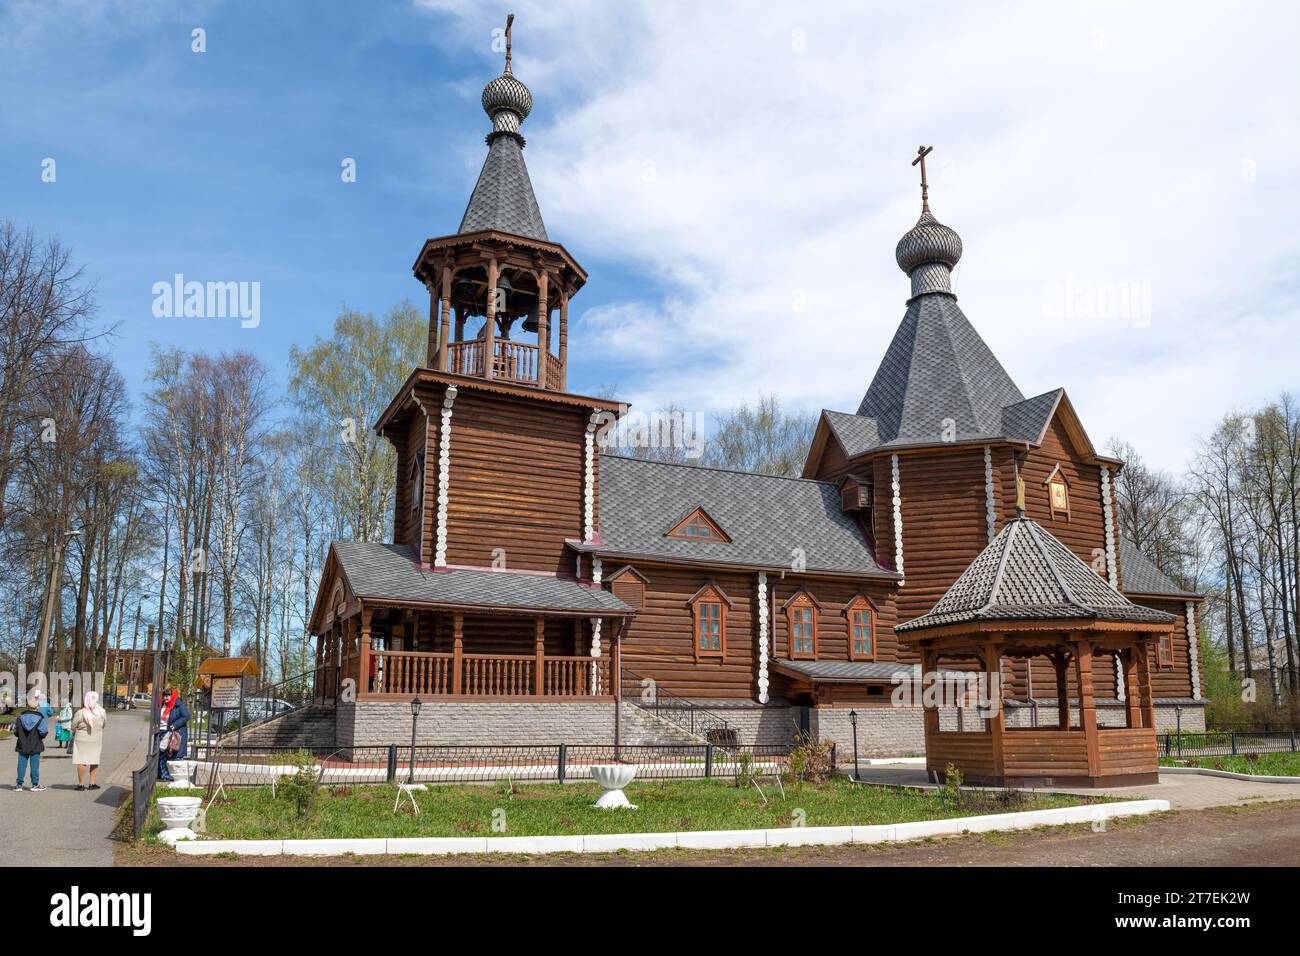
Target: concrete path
x=63, y=826
x=1184, y=791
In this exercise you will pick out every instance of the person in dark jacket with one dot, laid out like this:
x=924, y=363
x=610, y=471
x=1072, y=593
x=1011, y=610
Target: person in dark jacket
x=29, y=740
x=175, y=719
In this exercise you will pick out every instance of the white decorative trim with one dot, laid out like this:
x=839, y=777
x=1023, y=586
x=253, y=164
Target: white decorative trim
x=898, y=516
x=1108, y=515
x=444, y=476
x=589, y=480
x=990, y=503
x=1194, y=650
x=762, y=637
x=1121, y=693
x=596, y=571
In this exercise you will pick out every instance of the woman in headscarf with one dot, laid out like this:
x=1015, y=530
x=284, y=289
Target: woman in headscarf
x=175, y=720
x=88, y=739
x=63, y=727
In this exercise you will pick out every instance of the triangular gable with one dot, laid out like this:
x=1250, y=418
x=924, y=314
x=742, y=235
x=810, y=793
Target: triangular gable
x=697, y=519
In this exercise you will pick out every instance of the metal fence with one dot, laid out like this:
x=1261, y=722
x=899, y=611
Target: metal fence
x=1226, y=743
x=142, y=783
x=558, y=763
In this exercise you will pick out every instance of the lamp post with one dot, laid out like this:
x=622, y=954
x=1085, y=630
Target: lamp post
x=853, y=719
x=415, y=715
x=51, y=595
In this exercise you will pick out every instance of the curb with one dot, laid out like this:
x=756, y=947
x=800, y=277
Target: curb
x=695, y=840
x=1231, y=775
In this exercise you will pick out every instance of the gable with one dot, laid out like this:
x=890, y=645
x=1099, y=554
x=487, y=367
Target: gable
x=698, y=526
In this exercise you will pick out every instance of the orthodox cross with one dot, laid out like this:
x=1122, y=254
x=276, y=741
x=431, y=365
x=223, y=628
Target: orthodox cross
x=921, y=153
x=510, y=21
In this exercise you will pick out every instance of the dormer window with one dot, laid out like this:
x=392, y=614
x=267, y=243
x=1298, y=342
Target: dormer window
x=697, y=526
x=1058, y=494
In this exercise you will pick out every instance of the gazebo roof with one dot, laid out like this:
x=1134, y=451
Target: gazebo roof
x=1026, y=574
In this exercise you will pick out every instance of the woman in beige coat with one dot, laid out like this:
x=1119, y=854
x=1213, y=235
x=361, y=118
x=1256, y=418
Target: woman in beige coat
x=88, y=739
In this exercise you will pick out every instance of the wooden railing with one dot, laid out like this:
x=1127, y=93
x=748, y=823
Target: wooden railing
x=427, y=674
x=513, y=361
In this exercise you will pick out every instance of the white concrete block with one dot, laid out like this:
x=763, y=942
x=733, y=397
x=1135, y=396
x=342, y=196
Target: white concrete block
x=721, y=839
x=809, y=836
x=878, y=833
x=612, y=842
x=437, y=846
x=535, y=844
x=925, y=828
x=366, y=847
x=242, y=847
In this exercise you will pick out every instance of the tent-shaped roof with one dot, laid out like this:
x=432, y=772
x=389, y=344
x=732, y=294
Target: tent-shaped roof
x=503, y=198
x=1026, y=574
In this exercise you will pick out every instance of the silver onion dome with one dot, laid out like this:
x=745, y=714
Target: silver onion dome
x=928, y=241
x=927, y=253
x=508, y=102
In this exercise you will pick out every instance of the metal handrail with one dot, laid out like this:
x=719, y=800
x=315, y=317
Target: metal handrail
x=686, y=714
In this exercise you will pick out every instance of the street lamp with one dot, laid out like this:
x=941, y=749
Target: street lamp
x=853, y=719
x=415, y=715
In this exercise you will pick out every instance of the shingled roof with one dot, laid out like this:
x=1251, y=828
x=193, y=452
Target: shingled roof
x=1141, y=576
x=1027, y=574
x=767, y=518
x=503, y=197
x=390, y=572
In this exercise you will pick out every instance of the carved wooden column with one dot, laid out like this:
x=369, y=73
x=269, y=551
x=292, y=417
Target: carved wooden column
x=490, y=330
x=996, y=725
x=1087, y=705
x=929, y=715
x=1133, y=703
x=446, y=319
x=543, y=330
x=431, y=352
x=1147, y=702
x=564, y=340
x=539, y=655
x=457, y=648
x=460, y=330
x=364, y=652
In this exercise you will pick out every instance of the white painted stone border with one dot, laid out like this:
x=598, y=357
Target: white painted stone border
x=1231, y=775
x=698, y=840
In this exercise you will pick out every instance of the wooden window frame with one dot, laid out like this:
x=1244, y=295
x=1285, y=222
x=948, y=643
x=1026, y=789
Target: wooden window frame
x=802, y=600
x=698, y=514
x=415, y=491
x=709, y=595
x=1163, y=661
x=863, y=603
x=1057, y=476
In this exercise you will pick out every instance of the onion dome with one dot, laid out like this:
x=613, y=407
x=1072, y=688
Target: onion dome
x=928, y=252
x=508, y=102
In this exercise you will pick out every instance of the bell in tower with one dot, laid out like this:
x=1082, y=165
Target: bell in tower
x=498, y=285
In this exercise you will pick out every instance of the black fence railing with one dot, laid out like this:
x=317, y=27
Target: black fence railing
x=646, y=693
x=143, y=782
x=1226, y=743
x=556, y=763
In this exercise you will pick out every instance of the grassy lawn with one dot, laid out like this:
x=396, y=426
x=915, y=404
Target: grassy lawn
x=1264, y=765
x=544, y=809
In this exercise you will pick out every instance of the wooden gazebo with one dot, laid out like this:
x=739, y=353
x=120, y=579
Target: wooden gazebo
x=1028, y=595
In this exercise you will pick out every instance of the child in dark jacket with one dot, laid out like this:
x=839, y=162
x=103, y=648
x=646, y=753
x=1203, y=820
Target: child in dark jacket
x=29, y=740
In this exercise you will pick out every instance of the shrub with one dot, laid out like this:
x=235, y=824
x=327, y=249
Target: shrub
x=297, y=787
x=812, y=761
x=745, y=776
x=952, y=781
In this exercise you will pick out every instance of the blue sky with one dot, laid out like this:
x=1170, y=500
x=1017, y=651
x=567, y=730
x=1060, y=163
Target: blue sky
x=733, y=183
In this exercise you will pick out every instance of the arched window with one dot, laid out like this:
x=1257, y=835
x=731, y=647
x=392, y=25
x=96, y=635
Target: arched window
x=801, y=613
x=861, y=615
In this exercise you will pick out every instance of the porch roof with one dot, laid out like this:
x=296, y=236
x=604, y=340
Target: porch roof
x=849, y=672
x=379, y=573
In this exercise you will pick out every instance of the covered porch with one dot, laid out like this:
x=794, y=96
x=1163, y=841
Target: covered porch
x=395, y=630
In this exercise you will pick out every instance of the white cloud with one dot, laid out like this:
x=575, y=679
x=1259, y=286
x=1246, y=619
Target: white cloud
x=1094, y=143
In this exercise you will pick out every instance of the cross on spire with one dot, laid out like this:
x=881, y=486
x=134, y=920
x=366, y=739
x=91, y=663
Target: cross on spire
x=510, y=21
x=921, y=153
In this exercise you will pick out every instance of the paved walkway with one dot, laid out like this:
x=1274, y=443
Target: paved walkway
x=1184, y=791
x=64, y=827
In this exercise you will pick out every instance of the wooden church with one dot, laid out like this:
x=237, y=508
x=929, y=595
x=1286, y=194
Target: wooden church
x=536, y=584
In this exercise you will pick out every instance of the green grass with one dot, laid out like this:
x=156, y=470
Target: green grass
x=546, y=809
x=1263, y=765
